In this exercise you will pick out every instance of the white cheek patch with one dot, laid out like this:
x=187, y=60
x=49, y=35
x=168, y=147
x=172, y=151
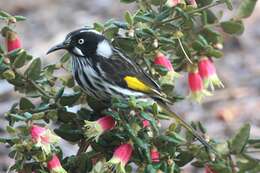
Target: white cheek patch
x=104, y=49
x=77, y=51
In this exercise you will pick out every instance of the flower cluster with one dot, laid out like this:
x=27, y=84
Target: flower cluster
x=43, y=138
x=200, y=76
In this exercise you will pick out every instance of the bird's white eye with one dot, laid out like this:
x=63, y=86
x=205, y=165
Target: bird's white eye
x=81, y=41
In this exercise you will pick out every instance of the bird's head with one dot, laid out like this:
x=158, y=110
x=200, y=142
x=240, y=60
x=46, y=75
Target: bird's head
x=85, y=43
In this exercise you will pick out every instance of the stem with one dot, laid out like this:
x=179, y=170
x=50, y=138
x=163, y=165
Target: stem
x=233, y=165
x=195, y=11
x=10, y=166
x=161, y=4
x=38, y=87
x=183, y=50
x=41, y=90
x=83, y=146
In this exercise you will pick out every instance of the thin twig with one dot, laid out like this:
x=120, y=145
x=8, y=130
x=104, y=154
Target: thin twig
x=233, y=165
x=183, y=50
x=83, y=146
x=41, y=90
x=161, y=4
x=194, y=11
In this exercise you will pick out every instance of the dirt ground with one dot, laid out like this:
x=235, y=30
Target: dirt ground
x=238, y=103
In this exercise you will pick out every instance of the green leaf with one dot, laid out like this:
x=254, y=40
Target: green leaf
x=99, y=26
x=59, y=93
x=1, y=49
x=221, y=167
x=34, y=70
x=26, y=104
x=184, y=158
x=111, y=31
x=150, y=169
x=204, y=2
x=66, y=117
x=69, y=99
x=214, y=52
x=129, y=18
x=239, y=141
x=9, y=74
x=4, y=14
x=141, y=18
x=246, y=8
x=211, y=17
x=247, y=163
x=20, y=18
x=229, y=4
x=18, y=117
x=20, y=60
x=127, y=1
x=157, y=2
x=233, y=27
x=65, y=58
x=69, y=132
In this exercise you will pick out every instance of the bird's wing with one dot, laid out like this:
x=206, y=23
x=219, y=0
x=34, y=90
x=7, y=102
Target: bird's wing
x=125, y=73
x=120, y=70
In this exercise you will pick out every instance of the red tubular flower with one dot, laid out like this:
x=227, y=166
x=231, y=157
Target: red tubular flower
x=13, y=41
x=96, y=128
x=209, y=170
x=162, y=60
x=121, y=157
x=197, y=90
x=54, y=165
x=145, y=123
x=193, y=3
x=208, y=73
x=155, y=155
x=173, y=3
x=43, y=137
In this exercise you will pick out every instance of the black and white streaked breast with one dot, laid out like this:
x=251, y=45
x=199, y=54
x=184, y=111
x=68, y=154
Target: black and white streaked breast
x=92, y=80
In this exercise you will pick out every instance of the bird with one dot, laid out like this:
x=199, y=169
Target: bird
x=104, y=71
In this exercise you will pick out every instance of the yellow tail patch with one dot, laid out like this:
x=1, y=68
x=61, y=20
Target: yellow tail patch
x=136, y=84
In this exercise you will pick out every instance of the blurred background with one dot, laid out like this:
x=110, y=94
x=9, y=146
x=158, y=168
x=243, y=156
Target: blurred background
x=48, y=21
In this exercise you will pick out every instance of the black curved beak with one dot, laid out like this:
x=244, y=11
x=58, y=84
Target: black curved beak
x=63, y=45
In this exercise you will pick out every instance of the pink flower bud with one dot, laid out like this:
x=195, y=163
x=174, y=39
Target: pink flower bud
x=193, y=3
x=106, y=123
x=13, y=41
x=162, y=60
x=121, y=157
x=54, y=165
x=209, y=170
x=43, y=138
x=96, y=128
x=173, y=3
x=123, y=153
x=208, y=73
x=197, y=90
x=155, y=155
x=145, y=123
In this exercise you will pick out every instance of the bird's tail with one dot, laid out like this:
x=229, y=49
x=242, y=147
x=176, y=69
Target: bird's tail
x=167, y=110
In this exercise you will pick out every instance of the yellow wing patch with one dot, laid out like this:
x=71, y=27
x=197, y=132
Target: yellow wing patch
x=136, y=84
